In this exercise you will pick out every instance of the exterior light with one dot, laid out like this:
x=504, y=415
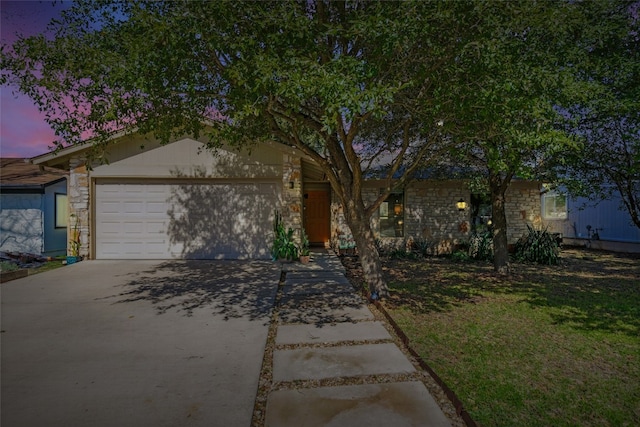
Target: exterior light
x=397, y=209
x=291, y=184
x=461, y=205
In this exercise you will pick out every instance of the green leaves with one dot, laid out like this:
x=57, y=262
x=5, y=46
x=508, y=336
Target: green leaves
x=538, y=246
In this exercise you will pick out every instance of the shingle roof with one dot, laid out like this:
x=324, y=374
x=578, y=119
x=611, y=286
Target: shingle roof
x=18, y=173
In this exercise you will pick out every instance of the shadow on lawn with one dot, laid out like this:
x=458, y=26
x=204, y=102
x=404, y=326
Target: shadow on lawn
x=588, y=294
x=232, y=289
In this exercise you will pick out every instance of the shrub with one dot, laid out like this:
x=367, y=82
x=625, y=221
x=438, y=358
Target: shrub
x=8, y=266
x=460, y=256
x=402, y=253
x=386, y=247
x=284, y=247
x=423, y=247
x=481, y=246
x=538, y=246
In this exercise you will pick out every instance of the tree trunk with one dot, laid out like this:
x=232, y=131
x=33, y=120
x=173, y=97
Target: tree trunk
x=498, y=189
x=360, y=226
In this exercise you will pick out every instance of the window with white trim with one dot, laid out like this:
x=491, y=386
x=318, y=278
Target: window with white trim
x=62, y=210
x=554, y=205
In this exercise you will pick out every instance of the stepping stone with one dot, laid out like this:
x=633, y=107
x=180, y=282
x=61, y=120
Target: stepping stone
x=309, y=287
x=316, y=275
x=329, y=308
x=329, y=362
x=318, y=263
x=361, y=331
x=371, y=405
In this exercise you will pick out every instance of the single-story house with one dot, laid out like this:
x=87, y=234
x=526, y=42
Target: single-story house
x=584, y=222
x=179, y=200
x=33, y=208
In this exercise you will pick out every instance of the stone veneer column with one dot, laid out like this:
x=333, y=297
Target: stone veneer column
x=291, y=209
x=79, y=208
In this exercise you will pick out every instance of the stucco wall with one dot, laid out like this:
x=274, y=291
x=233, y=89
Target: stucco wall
x=21, y=223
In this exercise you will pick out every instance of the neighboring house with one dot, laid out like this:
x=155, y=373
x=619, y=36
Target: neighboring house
x=33, y=208
x=587, y=223
x=179, y=200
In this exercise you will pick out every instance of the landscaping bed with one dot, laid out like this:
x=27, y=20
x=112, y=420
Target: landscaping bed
x=547, y=345
x=16, y=266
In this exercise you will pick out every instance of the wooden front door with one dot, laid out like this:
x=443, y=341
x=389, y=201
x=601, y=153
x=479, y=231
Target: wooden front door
x=316, y=215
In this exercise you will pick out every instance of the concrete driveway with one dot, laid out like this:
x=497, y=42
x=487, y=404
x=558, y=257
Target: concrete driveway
x=136, y=343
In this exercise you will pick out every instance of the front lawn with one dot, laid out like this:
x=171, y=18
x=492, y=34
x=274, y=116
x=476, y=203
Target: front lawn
x=546, y=346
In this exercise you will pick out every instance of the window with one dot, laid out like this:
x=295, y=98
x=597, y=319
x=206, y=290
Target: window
x=554, y=205
x=62, y=210
x=480, y=212
x=391, y=213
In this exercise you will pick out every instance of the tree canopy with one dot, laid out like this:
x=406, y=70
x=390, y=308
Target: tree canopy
x=354, y=85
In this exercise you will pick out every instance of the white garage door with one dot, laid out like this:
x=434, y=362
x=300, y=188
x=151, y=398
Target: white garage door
x=197, y=221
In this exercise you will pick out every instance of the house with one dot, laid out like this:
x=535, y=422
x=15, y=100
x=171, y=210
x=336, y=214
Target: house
x=33, y=208
x=583, y=222
x=179, y=200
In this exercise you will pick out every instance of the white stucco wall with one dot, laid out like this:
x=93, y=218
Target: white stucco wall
x=21, y=223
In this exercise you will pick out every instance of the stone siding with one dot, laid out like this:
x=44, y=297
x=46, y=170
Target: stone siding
x=79, y=205
x=523, y=207
x=431, y=214
x=291, y=209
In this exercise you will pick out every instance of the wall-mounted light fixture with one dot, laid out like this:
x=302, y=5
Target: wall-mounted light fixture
x=291, y=184
x=461, y=205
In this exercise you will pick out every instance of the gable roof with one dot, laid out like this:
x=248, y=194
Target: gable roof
x=21, y=174
x=60, y=158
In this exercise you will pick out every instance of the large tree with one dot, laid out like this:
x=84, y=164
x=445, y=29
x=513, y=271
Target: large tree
x=608, y=125
x=523, y=61
x=353, y=85
x=313, y=74
x=608, y=161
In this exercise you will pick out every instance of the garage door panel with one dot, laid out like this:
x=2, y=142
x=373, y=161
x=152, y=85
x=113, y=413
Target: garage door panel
x=156, y=227
x=109, y=207
x=111, y=228
x=163, y=221
x=160, y=208
x=134, y=208
x=133, y=227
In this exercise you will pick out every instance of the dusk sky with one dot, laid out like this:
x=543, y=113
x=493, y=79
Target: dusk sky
x=23, y=131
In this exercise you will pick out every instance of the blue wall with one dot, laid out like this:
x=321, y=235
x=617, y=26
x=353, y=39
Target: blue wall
x=55, y=239
x=612, y=223
x=27, y=222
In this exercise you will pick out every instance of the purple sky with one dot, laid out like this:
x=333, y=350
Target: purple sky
x=23, y=131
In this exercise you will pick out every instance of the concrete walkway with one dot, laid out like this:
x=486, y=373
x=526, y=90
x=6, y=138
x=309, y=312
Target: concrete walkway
x=334, y=364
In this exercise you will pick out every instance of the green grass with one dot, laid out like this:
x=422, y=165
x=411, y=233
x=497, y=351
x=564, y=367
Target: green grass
x=49, y=265
x=6, y=266
x=548, y=346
